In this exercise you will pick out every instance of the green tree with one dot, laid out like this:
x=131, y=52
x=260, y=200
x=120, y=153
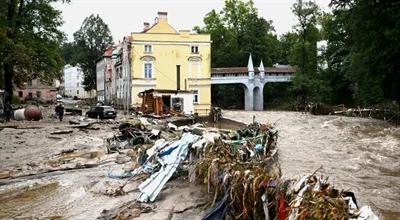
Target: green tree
x=286, y=46
x=372, y=36
x=337, y=57
x=307, y=83
x=70, y=51
x=237, y=31
x=30, y=42
x=91, y=40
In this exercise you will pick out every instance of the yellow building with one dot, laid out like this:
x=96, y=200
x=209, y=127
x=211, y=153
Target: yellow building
x=163, y=58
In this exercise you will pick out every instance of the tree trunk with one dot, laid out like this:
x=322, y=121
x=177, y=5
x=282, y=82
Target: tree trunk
x=8, y=90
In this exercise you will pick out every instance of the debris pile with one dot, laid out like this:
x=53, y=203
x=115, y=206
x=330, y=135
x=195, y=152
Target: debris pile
x=132, y=133
x=238, y=170
x=313, y=197
x=241, y=170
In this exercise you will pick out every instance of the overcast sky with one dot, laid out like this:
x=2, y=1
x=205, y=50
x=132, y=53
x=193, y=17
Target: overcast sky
x=126, y=16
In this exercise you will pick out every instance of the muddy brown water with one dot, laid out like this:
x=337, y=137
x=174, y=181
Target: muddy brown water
x=358, y=154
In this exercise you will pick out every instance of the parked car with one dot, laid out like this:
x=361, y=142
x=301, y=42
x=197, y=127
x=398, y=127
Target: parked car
x=101, y=112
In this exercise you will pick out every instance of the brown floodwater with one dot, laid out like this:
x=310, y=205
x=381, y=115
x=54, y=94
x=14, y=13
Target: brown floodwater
x=358, y=154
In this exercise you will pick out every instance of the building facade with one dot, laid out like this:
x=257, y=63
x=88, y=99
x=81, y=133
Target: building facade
x=122, y=70
x=104, y=75
x=163, y=58
x=37, y=90
x=73, y=83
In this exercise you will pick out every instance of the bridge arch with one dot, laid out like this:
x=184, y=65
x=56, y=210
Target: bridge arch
x=229, y=95
x=253, y=80
x=258, y=98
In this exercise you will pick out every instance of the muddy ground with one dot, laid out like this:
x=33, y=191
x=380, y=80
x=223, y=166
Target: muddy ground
x=51, y=170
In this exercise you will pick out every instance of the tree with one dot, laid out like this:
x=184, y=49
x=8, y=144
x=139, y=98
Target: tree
x=337, y=57
x=70, y=52
x=372, y=30
x=285, y=47
x=307, y=83
x=237, y=31
x=30, y=42
x=91, y=40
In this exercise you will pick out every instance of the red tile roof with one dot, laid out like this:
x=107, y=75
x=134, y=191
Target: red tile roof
x=108, y=52
x=244, y=70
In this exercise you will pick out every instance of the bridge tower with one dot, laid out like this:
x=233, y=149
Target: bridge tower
x=253, y=94
x=253, y=80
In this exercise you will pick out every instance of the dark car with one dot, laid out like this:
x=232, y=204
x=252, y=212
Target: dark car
x=101, y=112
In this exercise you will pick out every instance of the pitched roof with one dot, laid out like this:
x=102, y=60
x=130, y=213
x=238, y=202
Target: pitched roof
x=108, y=52
x=161, y=27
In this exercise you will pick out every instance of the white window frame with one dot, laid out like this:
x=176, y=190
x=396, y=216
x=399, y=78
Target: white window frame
x=194, y=49
x=148, y=48
x=151, y=70
x=196, y=93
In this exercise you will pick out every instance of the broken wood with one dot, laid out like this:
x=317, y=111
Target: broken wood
x=62, y=132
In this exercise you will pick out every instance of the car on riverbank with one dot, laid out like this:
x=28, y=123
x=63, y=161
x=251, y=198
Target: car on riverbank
x=101, y=112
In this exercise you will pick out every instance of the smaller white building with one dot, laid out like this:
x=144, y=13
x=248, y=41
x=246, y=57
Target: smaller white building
x=73, y=83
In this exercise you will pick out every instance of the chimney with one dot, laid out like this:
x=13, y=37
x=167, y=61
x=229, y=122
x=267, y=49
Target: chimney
x=162, y=16
x=146, y=26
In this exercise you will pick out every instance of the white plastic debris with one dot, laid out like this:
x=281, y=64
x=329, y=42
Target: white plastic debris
x=155, y=132
x=366, y=213
x=170, y=158
x=172, y=126
x=144, y=121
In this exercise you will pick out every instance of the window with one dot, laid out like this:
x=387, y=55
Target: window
x=77, y=84
x=195, y=96
x=38, y=94
x=77, y=92
x=20, y=94
x=148, y=70
x=195, y=49
x=30, y=95
x=147, y=48
x=119, y=72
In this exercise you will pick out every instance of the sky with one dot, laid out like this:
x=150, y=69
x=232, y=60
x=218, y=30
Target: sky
x=126, y=16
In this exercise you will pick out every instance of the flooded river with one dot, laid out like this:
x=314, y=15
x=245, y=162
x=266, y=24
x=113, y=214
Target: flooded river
x=358, y=154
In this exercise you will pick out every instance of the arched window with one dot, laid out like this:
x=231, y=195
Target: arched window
x=148, y=66
x=194, y=67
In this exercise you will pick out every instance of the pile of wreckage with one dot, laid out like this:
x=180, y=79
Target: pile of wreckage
x=240, y=168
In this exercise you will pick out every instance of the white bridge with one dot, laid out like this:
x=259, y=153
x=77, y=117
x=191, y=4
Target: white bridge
x=253, y=80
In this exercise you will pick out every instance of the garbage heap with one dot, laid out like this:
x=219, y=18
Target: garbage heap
x=241, y=170
x=238, y=170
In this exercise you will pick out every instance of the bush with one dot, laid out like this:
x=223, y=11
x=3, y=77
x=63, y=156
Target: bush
x=16, y=100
